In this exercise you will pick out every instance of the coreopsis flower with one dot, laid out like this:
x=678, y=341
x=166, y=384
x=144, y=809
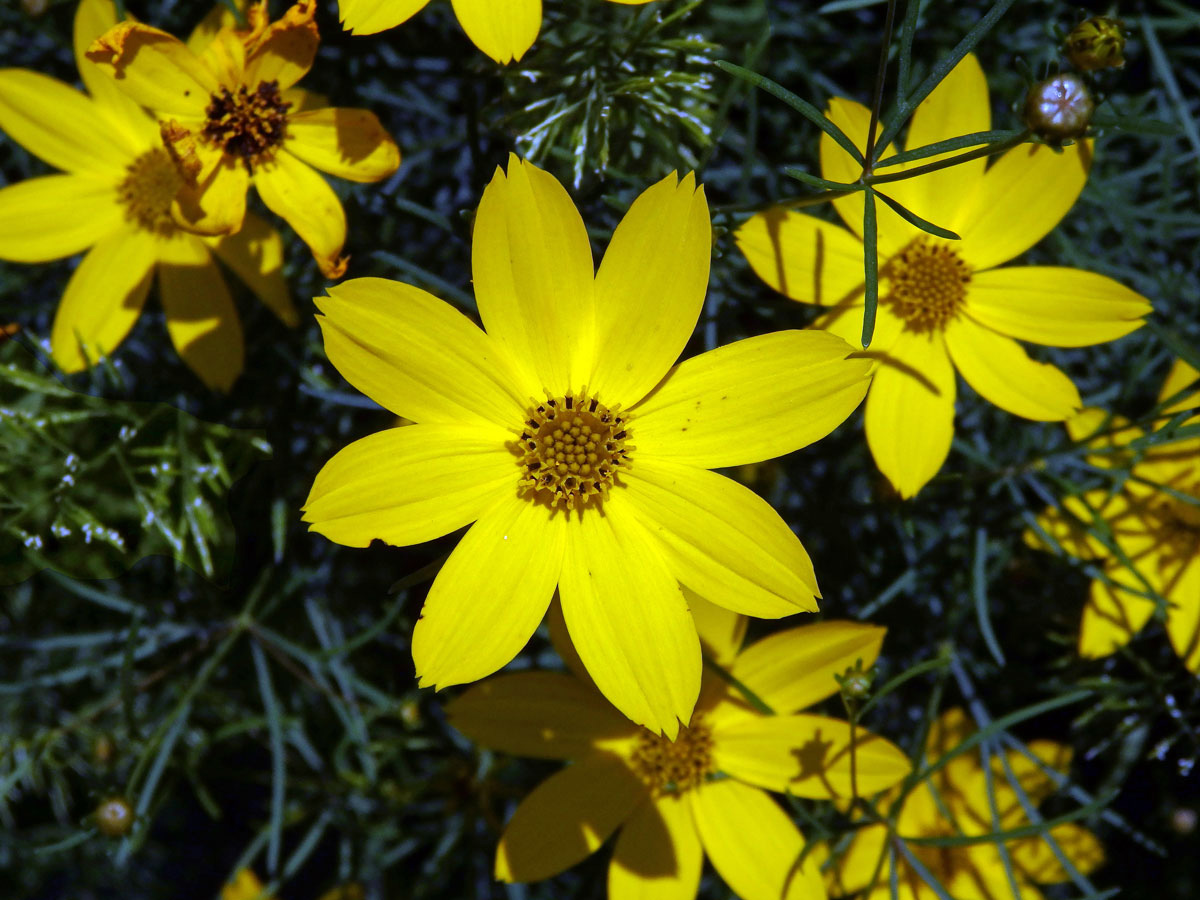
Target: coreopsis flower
x=943, y=305
x=113, y=197
x=503, y=29
x=578, y=452
x=703, y=794
x=227, y=122
x=1153, y=524
x=956, y=801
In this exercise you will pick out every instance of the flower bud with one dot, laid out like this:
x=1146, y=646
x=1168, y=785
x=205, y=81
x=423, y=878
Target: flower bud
x=1059, y=108
x=114, y=818
x=1096, y=43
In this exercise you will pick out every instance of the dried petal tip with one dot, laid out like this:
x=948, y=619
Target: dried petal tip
x=1096, y=43
x=1059, y=108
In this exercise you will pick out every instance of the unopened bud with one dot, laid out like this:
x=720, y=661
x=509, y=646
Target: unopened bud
x=857, y=685
x=114, y=817
x=1059, y=108
x=1096, y=43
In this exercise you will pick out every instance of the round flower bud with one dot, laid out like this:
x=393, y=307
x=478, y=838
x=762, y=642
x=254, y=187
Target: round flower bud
x=1059, y=108
x=114, y=817
x=856, y=685
x=1096, y=43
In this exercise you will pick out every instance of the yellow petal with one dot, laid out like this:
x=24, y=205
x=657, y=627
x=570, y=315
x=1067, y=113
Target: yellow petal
x=1034, y=859
x=417, y=355
x=808, y=756
x=864, y=863
x=255, y=254
x=284, y=51
x=755, y=399
x=490, y=595
x=1113, y=615
x=1180, y=377
x=846, y=321
x=543, y=714
x=753, y=844
x=503, y=29
x=297, y=194
x=658, y=854
x=55, y=216
x=409, y=485
x=721, y=630
x=215, y=205
x=1067, y=525
x=218, y=17
x=628, y=620
x=721, y=539
x=1030, y=775
x=1183, y=615
x=61, y=126
x=92, y=19
x=910, y=411
x=349, y=143
x=794, y=669
x=244, y=886
x=1021, y=197
x=203, y=322
x=561, y=639
x=1056, y=306
x=999, y=369
x=103, y=299
x=650, y=289
x=566, y=818
x=374, y=16
x=155, y=69
x=532, y=267
x=803, y=257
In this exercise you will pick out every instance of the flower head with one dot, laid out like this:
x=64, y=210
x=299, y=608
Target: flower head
x=228, y=120
x=703, y=793
x=114, y=197
x=942, y=304
x=578, y=452
x=1153, y=521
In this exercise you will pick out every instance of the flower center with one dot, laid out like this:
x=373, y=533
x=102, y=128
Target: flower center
x=150, y=184
x=675, y=766
x=570, y=449
x=248, y=125
x=928, y=284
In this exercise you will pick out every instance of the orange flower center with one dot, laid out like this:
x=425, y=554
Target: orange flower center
x=928, y=284
x=570, y=449
x=246, y=124
x=675, y=766
x=151, y=182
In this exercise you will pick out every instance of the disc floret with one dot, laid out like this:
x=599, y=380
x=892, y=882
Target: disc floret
x=150, y=184
x=668, y=766
x=247, y=124
x=928, y=284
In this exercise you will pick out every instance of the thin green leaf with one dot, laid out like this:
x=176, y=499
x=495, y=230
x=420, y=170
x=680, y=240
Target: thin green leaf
x=913, y=219
x=870, y=268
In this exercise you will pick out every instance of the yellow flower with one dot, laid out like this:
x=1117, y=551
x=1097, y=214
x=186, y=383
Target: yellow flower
x=942, y=304
x=580, y=455
x=246, y=886
x=113, y=197
x=954, y=802
x=704, y=793
x=227, y=122
x=1154, y=522
x=503, y=29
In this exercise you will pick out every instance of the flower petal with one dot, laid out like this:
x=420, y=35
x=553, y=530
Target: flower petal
x=349, y=143
x=1056, y=306
x=490, y=596
x=721, y=539
x=910, y=411
x=103, y=299
x=297, y=194
x=567, y=817
x=155, y=69
x=755, y=399
x=532, y=266
x=794, y=669
x=216, y=204
x=803, y=257
x=374, y=16
x=61, y=126
x=55, y=216
x=999, y=369
x=92, y=19
x=202, y=321
x=627, y=618
x=504, y=31
x=1034, y=859
x=1183, y=615
x=1180, y=377
x=864, y=863
x=255, y=254
x=658, y=854
x=807, y=756
x=549, y=715
x=1019, y=200
x=650, y=289
x=285, y=50
x=409, y=485
x=753, y=844
x=721, y=630
x=417, y=355
x=1113, y=615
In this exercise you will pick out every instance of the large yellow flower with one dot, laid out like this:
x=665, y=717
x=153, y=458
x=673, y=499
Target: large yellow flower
x=113, y=197
x=581, y=456
x=227, y=122
x=942, y=304
x=503, y=29
x=702, y=794
x=1153, y=520
x=956, y=802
